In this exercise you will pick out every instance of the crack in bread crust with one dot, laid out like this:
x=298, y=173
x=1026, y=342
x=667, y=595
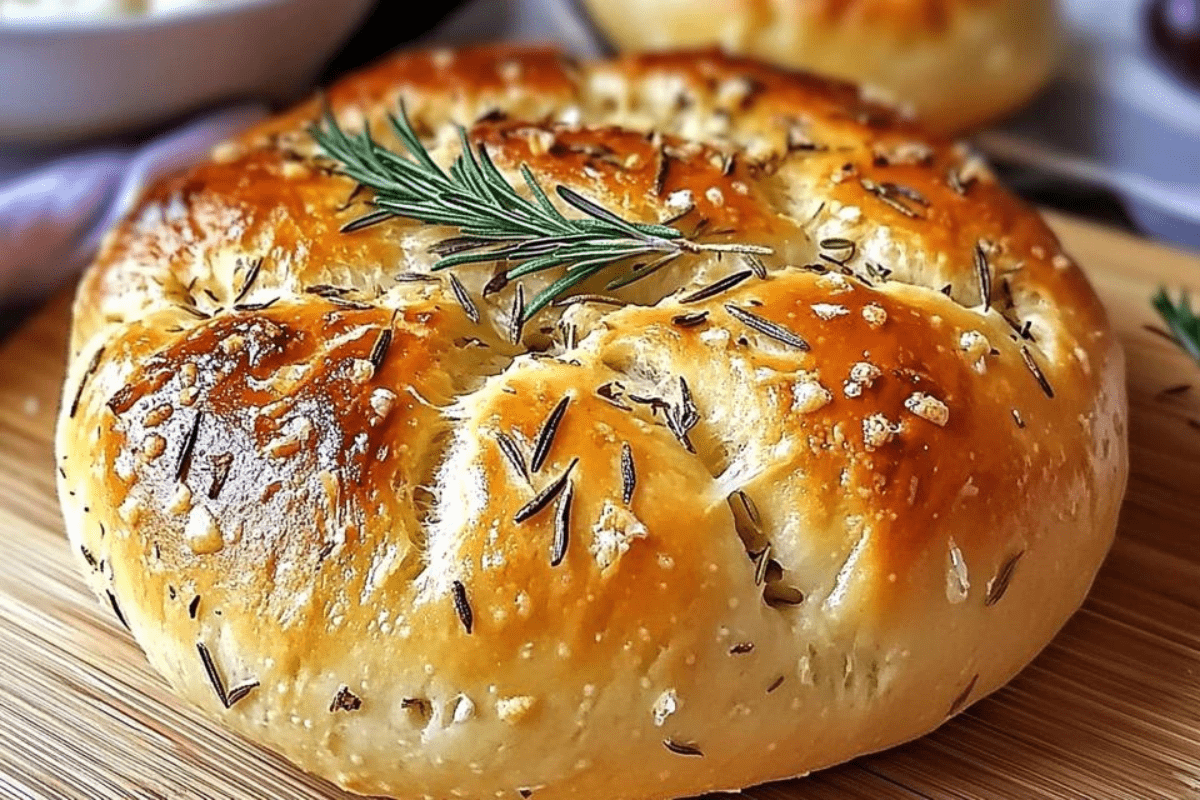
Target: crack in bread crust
x=311, y=432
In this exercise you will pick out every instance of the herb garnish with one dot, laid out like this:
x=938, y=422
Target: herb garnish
x=495, y=222
x=1182, y=321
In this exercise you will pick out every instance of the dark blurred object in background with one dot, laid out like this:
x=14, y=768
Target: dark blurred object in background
x=1175, y=31
x=391, y=25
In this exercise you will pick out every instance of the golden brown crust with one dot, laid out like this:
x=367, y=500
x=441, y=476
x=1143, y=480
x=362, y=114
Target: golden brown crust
x=288, y=452
x=959, y=63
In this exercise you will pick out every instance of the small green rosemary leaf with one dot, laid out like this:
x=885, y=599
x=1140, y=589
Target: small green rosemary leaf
x=536, y=189
x=495, y=222
x=1182, y=321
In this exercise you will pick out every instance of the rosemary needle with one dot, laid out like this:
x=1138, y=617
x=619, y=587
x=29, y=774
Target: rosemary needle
x=1182, y=321
x=494, y=221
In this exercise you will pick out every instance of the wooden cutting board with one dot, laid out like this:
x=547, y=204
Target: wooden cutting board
x=1110, y=710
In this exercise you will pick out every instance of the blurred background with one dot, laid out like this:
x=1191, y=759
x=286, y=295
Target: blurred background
x=101, y=96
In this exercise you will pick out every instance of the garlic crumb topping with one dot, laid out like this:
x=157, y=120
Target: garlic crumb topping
x=382, y=401
x=837, y=284
x=613, y=534
x=666, y=705
x=153, y=446
x=464, y=709
x=828, y=311
x=680, y=199
x=514, y=709
x=874, y=314
x=862, y=376
x=928, y=407
x=294, y=435
x=809, y=395
x=201, y=532
x=181, y=500
x=958, y=585
x=157, y=416
x=878, y=430
x=361, y=370
x=975, y=346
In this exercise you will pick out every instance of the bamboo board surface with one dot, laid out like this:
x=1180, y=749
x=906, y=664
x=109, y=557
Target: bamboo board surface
x=1111, y=710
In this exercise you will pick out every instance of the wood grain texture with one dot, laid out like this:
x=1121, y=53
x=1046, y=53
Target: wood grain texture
x=1110, y=710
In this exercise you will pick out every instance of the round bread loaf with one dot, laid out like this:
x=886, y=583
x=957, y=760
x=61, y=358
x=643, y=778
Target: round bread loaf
x=798, y=507
x=959, y=63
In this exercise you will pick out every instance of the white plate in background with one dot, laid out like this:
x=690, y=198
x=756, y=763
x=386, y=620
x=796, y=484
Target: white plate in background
x=67, y=79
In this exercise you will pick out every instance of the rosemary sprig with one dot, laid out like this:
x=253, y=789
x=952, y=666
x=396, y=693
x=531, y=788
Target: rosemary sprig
x=495, y=222
x=1181, y=321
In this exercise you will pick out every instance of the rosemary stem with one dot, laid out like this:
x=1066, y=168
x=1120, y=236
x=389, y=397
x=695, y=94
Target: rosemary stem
x=495, y=222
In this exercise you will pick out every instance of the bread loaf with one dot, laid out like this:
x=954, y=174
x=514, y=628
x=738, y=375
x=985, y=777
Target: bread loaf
x=959, y=63
x=793, y=507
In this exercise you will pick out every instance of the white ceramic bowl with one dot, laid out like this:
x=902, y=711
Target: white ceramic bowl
x=64, y=79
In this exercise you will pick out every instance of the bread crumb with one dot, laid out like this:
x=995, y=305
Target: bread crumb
x=514, y=709
x=958, y=585
x=975, y=346
x=510, y=70
x=680, y=199
x=153, y=446
x=828, y=311
x=874, y=314
x=464, y=709
x=201, y=532
x=293, y=169
x=32, y=405
x=158, y=415
x=862, y=376
x=275, y=409
x=809, y=395
x=540, y=141
x=226, y=152
x=714, y=196
x=613, y=534
x=904, y=153
x=878, y=430
x=1082, y=357
x=570, y=116
x=382, y=401
x=837, y=284
x=287, y=376
x=715, y=336
x=361, y=370
x=130, y=511
x=294, y=435
x=969, y=489
x=1060, y=261
x=666, y=705
x=973, y=169
x=181, y=500
x=928, y=407
x=733, y=91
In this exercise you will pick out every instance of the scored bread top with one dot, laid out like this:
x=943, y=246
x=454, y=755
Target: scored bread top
x=800, y=518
